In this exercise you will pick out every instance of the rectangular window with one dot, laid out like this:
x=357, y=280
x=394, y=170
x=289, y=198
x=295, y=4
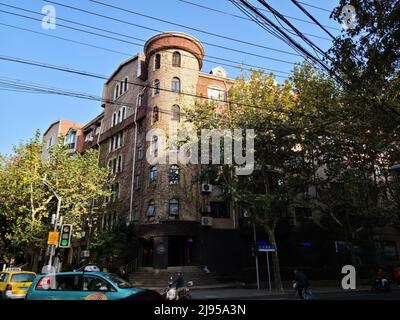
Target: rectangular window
x=137, y=182
x=139, y=153
x=114, y=119
x=139, y=102
x=134, y=213
x=115, y=142
x=302, y=212
x=116, y=190
x=120, y=142
x=114, y=166
x=219, y=210
x=216, y=94
x=119, y=163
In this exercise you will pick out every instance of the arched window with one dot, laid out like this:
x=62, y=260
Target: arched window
x=121, y=88
x=176, y=113
x=176, y=59
x=119, y=165
x=153, y=174
x=123, y=113
x=126, y=84
x=156, y=114
x=176, y=84
x=174, y=174
x=174, y=207
x=157, y=61
x=116, y=91
x=154, y=145
x=114, y=121
x=119, y=116
x=151, y=208
x=156, y=86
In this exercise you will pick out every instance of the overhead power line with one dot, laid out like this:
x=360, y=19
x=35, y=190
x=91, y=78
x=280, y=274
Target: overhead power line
x=315, y=7
x=123, y=35
x=274, y=29
x=297, y=3
x=245, y=18
x=130, y=55
x=102, y=77
x=172, y=23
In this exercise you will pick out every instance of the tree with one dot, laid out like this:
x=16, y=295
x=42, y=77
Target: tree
x=23, y=202
x=278, y=128
x=29, y=188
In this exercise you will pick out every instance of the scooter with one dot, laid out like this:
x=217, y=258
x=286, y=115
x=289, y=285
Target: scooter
x=381, y=284
x=170, y=292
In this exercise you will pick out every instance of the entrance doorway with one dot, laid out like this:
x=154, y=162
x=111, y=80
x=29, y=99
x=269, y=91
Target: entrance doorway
x=147, y=257
x=180, y=251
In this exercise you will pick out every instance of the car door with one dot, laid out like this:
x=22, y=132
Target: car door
x=3, y=283
x=67, y=287
x=96, y=288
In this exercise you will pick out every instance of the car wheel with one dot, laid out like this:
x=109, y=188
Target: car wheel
x=145, y=295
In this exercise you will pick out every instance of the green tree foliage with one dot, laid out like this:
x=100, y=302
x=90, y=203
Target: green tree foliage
x=29, y=188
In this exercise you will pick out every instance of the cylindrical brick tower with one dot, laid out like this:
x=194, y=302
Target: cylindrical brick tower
x=173, y=62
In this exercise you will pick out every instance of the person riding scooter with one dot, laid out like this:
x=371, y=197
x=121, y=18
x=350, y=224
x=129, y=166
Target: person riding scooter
x=381, y=280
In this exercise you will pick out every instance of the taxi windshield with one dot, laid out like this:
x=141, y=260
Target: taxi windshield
x=121, y=283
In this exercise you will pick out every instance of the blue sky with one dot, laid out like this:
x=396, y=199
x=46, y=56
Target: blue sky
x=22, y=113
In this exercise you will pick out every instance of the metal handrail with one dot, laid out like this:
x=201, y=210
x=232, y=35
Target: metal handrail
x=131, y=266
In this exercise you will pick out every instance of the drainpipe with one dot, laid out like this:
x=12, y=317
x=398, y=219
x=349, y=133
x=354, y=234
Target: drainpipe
x=232, y=206
x=134, y=156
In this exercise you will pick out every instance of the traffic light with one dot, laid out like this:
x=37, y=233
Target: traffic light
x=65, y=237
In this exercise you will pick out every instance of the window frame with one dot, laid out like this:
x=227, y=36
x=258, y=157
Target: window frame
x=156, y=87
x=157, y=61
x=174, y=81
x=151, y=203
x=176, y=113
x=176, y=62
x=173, y=202
x=153, y=174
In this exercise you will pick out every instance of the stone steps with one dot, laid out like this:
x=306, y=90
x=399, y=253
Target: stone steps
x=149, y=277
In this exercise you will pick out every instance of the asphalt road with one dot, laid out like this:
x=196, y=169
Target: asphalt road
x=350, y=295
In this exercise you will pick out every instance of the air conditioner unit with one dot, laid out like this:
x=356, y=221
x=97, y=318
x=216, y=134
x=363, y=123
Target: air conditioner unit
x=206, y=221
x=206, y=187
x=85, y=254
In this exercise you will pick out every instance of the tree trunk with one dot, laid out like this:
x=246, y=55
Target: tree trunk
x=275, y=259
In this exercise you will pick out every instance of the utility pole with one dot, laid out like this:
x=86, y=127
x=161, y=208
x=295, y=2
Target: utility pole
x=256, y=256
x=56, y=224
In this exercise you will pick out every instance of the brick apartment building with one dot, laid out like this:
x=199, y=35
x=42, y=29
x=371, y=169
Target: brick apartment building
x=181, y=222
x=161, y=199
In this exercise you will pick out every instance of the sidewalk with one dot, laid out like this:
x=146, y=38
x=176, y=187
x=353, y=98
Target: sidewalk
x=244, y=293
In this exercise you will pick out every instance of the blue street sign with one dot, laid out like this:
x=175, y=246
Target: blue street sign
x=263, y=246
